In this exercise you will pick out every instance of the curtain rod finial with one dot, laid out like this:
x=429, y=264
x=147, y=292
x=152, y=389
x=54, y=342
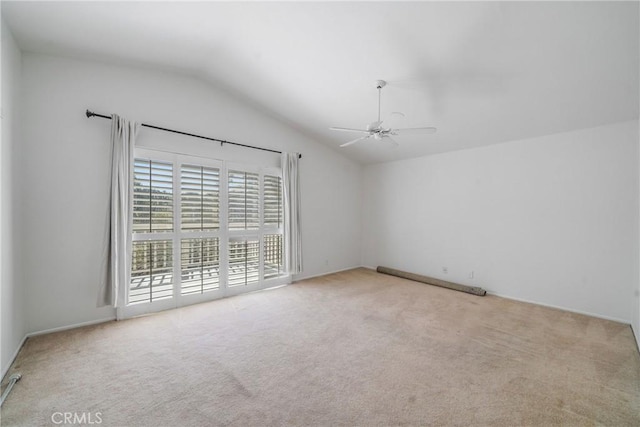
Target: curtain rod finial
x=89, y=113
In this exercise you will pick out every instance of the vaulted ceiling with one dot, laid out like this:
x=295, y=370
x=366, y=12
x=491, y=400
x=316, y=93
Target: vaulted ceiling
x=481, y=72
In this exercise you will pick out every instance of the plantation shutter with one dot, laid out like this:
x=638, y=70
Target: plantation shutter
x=184, y=249
x=244, y=261
x=200, y=198
x=273, y=265
x=151, y=271
x=272, y=220
x=272, y=201
x=199, y=265
x=244, y=200
x=152, y=258
x=152, y=196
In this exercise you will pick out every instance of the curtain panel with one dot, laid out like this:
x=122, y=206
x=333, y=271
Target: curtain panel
x=292, y=219
x=117, y=238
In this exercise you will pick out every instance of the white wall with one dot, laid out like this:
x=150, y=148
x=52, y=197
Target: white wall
x=636, y=318
x=636, y=310
x=551, y=220
x=11, y=293
x=65, y=171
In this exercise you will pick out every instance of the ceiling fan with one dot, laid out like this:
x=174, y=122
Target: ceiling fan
x=376, y=131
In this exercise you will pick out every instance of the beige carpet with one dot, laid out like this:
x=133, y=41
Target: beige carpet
x=354, y=348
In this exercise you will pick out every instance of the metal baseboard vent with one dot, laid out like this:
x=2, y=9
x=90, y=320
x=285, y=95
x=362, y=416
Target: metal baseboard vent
x=432, y=281
x=13, y=379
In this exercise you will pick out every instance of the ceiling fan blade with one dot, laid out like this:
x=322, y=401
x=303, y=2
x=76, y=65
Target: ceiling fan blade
x=349, y=130
x=413, y=131
x=354, y=141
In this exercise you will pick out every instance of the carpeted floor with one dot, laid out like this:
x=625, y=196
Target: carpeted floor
x=353, y=348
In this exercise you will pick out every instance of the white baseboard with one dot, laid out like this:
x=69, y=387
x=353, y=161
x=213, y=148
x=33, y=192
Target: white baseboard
x=303, y=277
x=636, y=335
x=5, y=369
x=72, y=326
x=571, y=310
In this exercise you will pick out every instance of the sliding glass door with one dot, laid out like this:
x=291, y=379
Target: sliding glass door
x=201, y=229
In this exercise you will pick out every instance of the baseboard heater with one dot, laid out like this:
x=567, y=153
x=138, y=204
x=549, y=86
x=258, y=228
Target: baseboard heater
x=432, y=281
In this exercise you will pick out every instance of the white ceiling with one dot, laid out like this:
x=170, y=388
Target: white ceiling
x=481, y=72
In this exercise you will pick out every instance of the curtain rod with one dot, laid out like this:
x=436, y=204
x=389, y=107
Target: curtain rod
x=221, y=141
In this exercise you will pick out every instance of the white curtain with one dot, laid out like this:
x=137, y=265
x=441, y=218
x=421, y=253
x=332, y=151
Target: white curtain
x=117, y=239
x=292, y=223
